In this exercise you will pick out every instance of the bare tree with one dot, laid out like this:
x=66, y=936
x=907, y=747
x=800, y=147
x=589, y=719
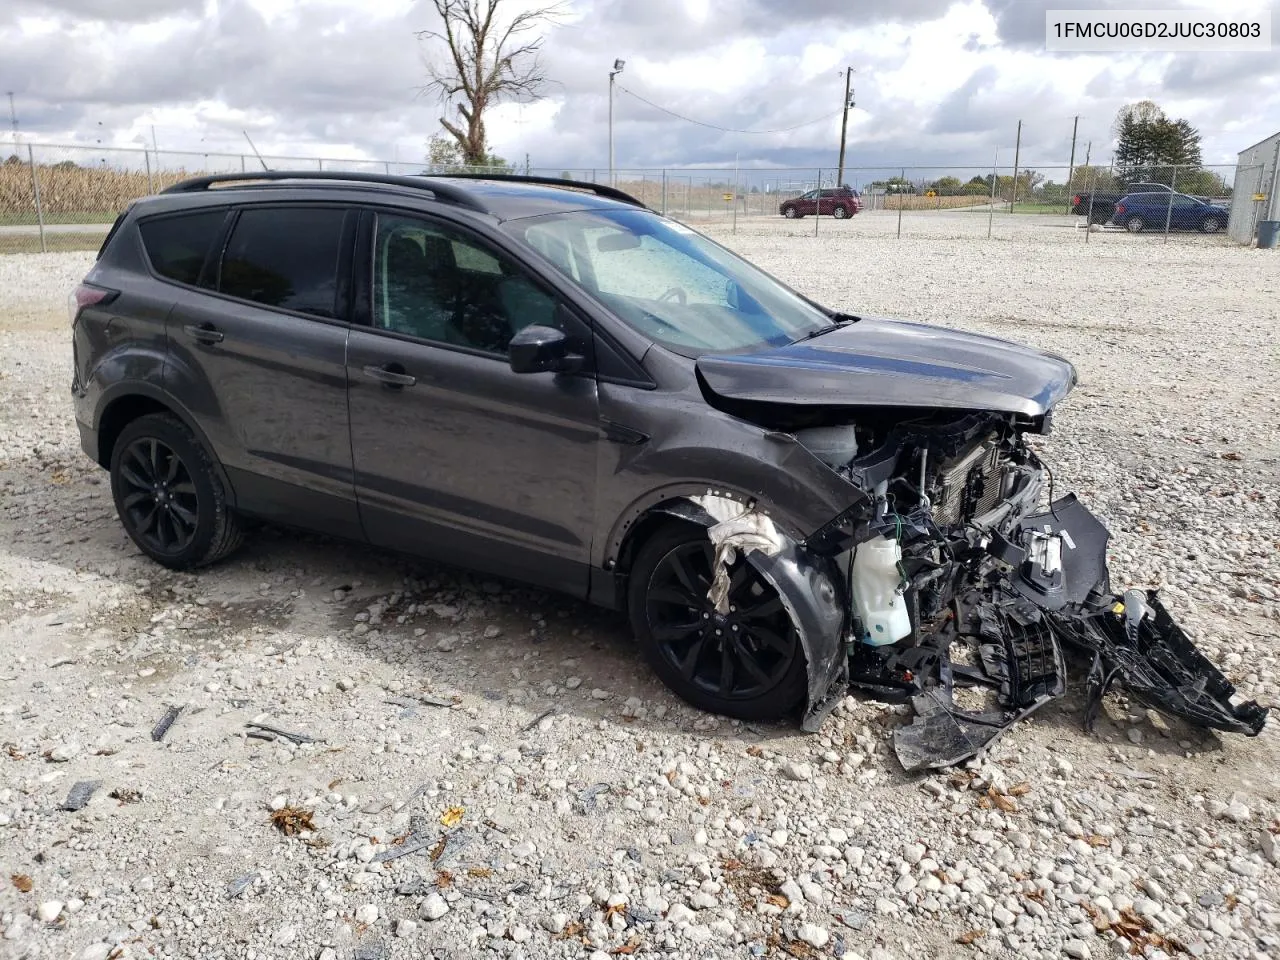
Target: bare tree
x=491, y=56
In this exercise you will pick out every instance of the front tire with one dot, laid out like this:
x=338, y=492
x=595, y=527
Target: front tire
x=747, y=664
x=790, y=213
x=168, y=495
x=1210, y=225
x=1135, y=225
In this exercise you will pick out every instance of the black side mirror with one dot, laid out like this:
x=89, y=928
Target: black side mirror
x=539, y=349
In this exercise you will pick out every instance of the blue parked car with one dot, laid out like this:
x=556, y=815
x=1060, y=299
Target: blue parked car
x=1149, y=211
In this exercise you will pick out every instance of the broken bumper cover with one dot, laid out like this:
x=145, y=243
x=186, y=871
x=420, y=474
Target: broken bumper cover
x=1046, y=585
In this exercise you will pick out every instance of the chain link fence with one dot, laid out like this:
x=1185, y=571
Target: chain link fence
x=66, y=197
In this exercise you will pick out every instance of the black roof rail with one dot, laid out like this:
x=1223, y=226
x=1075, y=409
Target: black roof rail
x=599, y=190
x=442, y=191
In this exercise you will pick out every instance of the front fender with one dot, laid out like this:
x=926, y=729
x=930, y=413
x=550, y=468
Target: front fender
x=810, y=588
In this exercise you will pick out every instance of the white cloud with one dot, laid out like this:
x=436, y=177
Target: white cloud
x=937, y=82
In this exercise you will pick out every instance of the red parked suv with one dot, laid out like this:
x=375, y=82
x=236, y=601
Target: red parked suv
x=838, y=202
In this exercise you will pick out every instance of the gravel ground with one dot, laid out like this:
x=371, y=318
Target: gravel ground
x=493, y=769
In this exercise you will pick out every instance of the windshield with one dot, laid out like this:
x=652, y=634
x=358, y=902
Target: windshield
x=670, y=283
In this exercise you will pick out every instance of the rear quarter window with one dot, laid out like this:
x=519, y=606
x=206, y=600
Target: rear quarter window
x=178, y=245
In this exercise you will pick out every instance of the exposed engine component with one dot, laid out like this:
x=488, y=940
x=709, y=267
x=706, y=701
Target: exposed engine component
x=958, y=591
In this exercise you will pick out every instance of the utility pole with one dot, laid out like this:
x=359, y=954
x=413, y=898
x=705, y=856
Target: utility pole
x=844, y=123
x=1071, y=169
x=1016, y=151
x=617, y=69
x=13, y=122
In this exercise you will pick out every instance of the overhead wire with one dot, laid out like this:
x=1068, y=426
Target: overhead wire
x=713, y=126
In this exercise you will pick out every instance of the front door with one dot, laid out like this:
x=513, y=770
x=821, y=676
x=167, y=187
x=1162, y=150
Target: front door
x=457, y=457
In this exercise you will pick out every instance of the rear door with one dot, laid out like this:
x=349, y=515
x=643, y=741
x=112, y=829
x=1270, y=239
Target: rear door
x=1187, y=212
x=456, y=456
x=258, y=354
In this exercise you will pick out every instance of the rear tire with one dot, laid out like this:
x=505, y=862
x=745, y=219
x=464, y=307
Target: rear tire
x=757, y=649
x=840, y=213
x=168, y=495
x=1135, y=225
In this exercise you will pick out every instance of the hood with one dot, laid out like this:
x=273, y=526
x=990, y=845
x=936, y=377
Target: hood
x=892, y=363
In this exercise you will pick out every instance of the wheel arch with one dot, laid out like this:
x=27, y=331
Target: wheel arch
x=127, y=402
x=810, y=585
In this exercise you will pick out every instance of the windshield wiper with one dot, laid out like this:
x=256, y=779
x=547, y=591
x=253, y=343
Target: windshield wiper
x=838, y=320
x=818, y=332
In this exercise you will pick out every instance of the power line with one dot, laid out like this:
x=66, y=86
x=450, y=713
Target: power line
x=807, y=123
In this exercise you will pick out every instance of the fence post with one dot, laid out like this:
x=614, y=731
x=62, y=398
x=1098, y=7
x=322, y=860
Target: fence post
x=902, y=178
x=386, y=167
x=664, y=191
x=991, y=207
x=817, y=204
x=319, y=164
x=146, y=157
x=1168, y=213
x=35, y=187
x=1093, y=188
x=242, y=167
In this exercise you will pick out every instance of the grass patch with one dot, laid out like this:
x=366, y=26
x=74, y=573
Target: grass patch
x=54, y=242
x=28, y=219
x=1058, y=208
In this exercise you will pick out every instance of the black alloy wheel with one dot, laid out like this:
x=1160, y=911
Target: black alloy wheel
x=168, y=494
x=747, y=662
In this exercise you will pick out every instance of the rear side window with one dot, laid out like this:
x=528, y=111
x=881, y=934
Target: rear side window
x=177, y=246
x=286, y=258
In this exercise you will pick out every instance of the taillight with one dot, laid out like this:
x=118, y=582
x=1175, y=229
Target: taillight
x=1075, y=201
x=1119, y=208
x=86, y=295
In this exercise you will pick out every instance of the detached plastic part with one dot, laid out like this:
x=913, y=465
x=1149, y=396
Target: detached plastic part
x=1048, y=583
x=1158, y=665
x=1016, y=656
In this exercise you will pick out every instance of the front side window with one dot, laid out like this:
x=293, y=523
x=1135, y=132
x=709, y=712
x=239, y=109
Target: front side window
x=433, y=282
x=177, y=245
x=670, y=283
x=285, y=257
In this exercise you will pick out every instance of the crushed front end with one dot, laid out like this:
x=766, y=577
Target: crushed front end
x=963, y=590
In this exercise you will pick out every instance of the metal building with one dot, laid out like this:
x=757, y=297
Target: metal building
x=1257, y=175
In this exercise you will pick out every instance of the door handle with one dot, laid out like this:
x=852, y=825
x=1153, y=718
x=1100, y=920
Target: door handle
x=391, y=374
x=204, y=332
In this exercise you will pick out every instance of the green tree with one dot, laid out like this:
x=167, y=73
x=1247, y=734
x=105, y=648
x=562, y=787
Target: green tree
x=445, y=156
x=1095, y=178
x=1150, y=144
x=948, y=186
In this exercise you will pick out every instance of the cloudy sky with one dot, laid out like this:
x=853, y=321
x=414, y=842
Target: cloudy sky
x=937, y=82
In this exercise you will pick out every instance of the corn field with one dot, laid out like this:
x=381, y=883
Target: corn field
x=67, y=190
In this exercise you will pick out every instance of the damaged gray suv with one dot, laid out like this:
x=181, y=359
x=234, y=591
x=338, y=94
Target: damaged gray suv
x=547, y=381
